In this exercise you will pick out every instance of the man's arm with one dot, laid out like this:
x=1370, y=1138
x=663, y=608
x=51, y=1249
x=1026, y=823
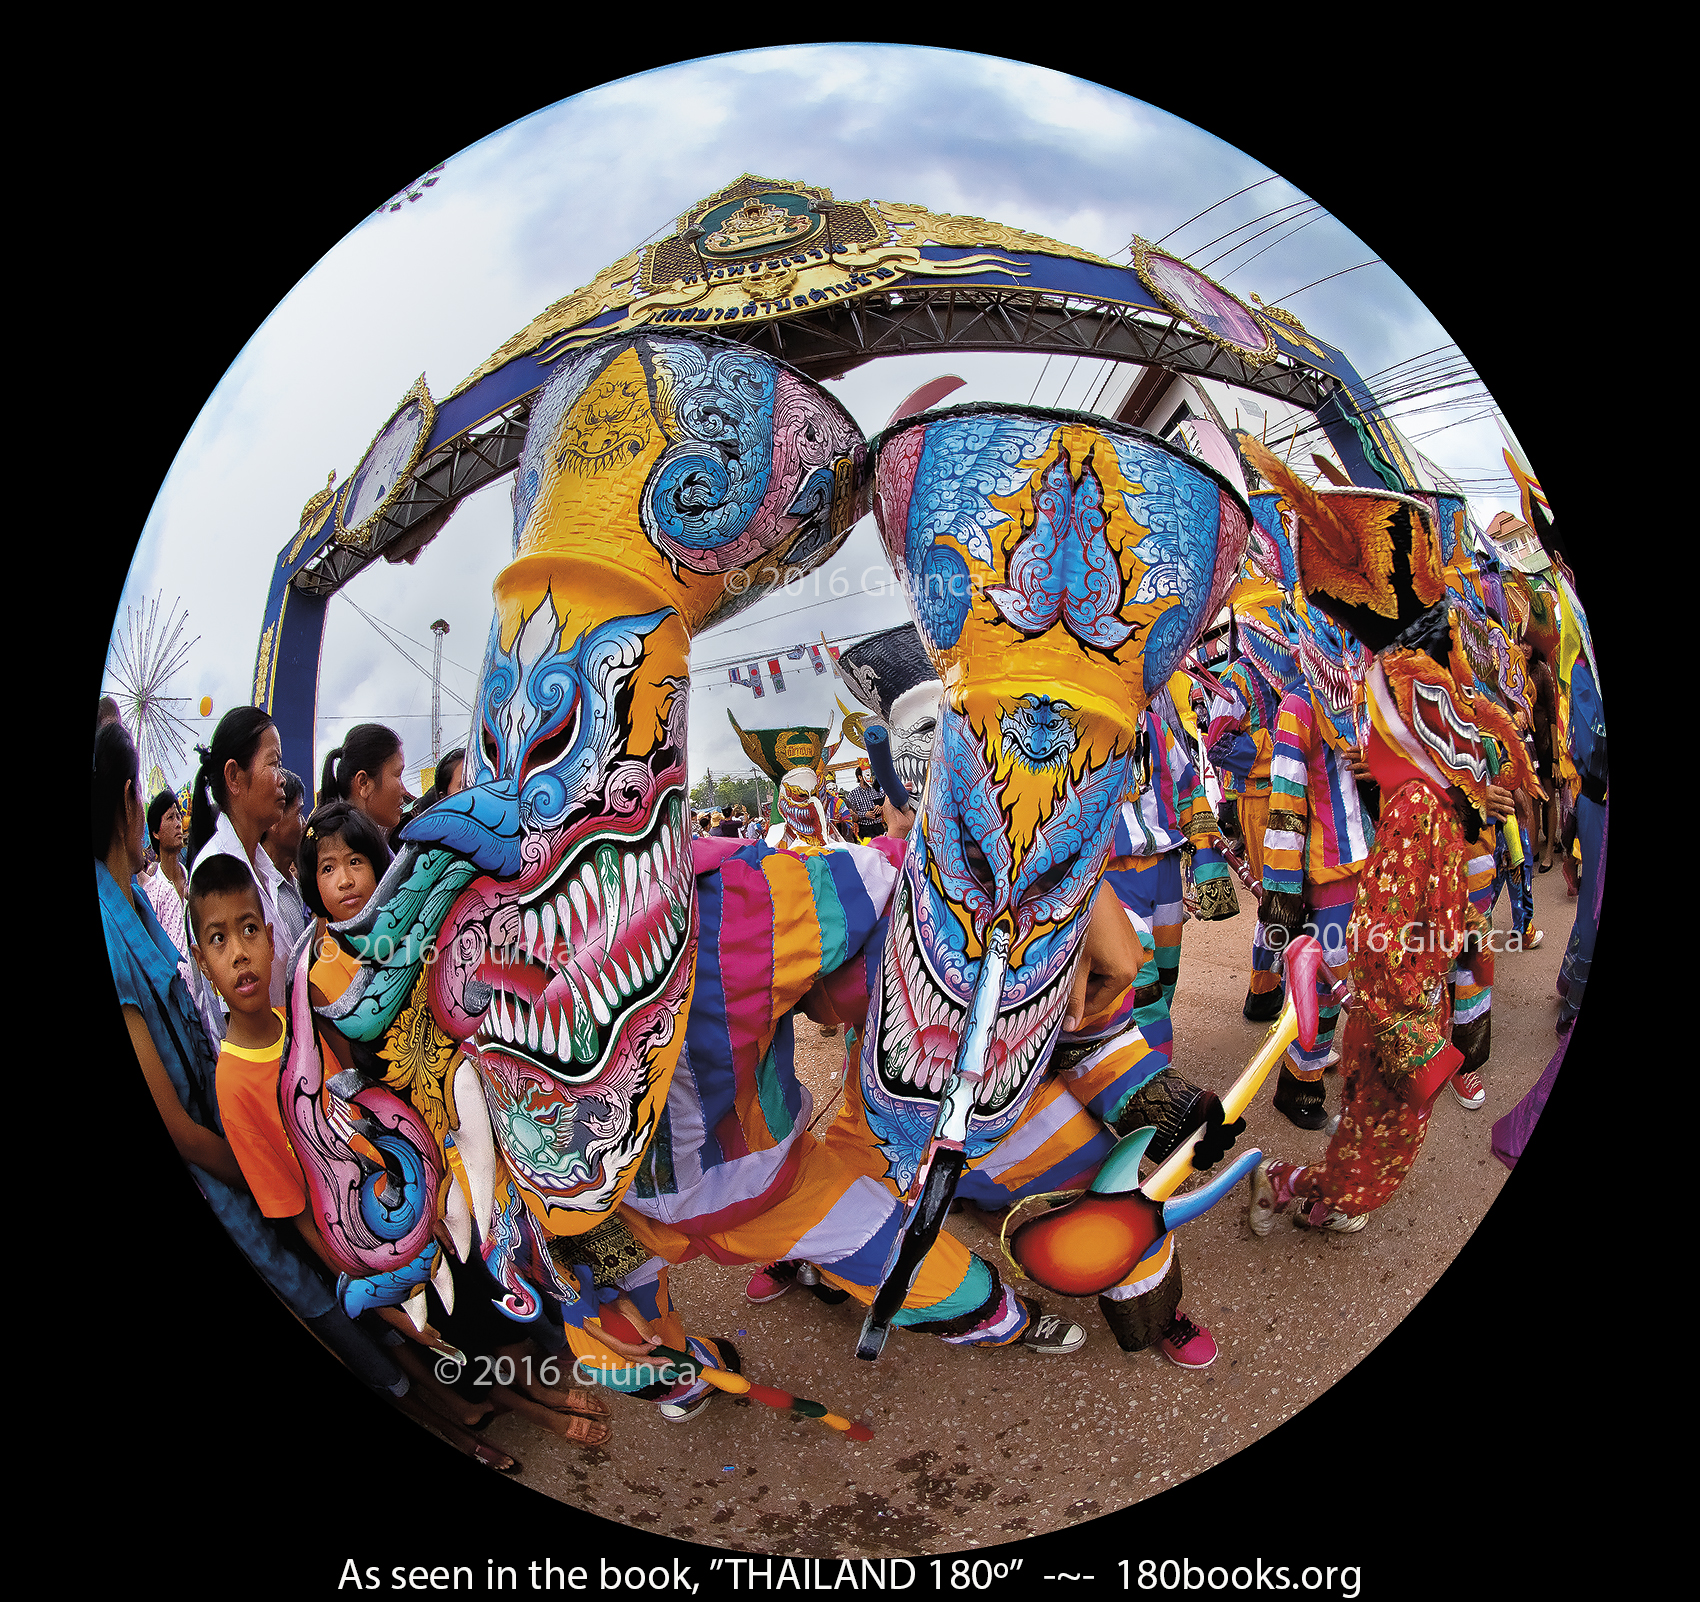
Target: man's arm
x=1109, y=962
x=1288, y=827
x=194, y=1145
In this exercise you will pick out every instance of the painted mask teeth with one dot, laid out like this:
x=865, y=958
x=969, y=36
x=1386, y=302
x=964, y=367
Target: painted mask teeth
x=1439, y=727
x=597, y=943
x=1022, y=1033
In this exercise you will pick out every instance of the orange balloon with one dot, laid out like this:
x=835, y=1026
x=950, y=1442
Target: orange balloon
x=206, y=706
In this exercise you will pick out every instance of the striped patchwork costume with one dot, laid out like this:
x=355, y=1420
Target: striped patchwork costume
x=732, y=1172
x=1169, y=812
x=1104, y=1075
x=1241, y=743
x=1314, y=848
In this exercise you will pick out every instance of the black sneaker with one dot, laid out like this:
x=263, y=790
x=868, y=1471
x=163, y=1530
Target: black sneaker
x=1051, y=1335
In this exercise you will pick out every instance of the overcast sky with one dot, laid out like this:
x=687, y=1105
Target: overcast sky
x=539, y=208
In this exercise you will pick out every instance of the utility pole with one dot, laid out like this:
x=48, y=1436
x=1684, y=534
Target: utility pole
x=438, y=630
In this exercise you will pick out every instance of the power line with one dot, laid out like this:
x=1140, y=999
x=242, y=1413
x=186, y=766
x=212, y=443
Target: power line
x=765, y=622
x=367, y=717
x=740, y=661
x=1222, y=202
x=1258, y=235
x=1474, y=417
x=376, y=629
x=1066, y=377
x=1420, y=356
x=1039, y=380
x=1286, y=295
x=1272, y=244
x=1294, y=205
x=408, y=637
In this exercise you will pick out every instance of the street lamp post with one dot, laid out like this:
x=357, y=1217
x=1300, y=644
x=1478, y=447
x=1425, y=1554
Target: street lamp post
x=438, y=630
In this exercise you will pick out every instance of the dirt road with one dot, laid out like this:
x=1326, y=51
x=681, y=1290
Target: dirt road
x=973, y=1447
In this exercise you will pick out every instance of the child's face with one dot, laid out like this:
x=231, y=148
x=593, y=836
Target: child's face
x=235, y=950
x=347, y=879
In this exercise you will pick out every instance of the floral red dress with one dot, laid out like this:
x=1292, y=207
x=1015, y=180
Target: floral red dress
x=1408, y=924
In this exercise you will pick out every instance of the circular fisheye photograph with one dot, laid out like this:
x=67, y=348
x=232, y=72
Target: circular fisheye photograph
x=850, y=803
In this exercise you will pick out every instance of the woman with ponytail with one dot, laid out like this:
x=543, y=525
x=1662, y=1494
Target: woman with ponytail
x=180, y=1063
x=241, y=776
x=366, y=769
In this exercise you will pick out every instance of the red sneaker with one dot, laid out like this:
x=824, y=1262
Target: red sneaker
x=1468, y=1089
x=770, y=1283
x=1187, y=1345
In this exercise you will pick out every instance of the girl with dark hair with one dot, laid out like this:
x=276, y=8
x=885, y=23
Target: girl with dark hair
x=367, y=770
x=167, y=892
x=177, y=1060
x=451, y=771
x=238, y=795
x=334, y=833
x=343, y=856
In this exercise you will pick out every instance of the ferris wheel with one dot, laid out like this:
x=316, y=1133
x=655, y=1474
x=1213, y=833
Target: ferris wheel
x=146, y=652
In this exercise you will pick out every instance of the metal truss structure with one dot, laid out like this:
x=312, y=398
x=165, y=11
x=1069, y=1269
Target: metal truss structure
x=919, y=319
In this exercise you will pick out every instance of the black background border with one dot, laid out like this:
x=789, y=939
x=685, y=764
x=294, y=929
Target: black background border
x=192, y=193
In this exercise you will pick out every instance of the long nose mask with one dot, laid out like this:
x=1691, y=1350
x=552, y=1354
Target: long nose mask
x=1058, y=568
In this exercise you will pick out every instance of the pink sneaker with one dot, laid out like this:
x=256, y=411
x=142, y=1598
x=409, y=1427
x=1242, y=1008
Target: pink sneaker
x=770, y=1283
x=1187, y=1345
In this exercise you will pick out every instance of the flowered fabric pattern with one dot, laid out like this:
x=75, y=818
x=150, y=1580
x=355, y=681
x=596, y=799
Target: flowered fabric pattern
x=1409, y=921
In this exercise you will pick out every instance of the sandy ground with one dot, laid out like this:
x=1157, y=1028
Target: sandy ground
x=973, y=1448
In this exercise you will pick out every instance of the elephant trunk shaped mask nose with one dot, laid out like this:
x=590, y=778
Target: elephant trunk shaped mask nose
x=549, y=908
x=1058, y=568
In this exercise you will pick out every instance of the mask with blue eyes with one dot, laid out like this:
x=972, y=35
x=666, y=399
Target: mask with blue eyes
x=554, y=895
x=1333, y=663
x=1058, y=568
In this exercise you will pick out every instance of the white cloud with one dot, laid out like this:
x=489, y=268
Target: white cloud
x=538, y=208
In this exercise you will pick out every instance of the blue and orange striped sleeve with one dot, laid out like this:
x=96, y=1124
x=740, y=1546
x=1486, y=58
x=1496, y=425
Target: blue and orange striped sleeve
x=1289, y=797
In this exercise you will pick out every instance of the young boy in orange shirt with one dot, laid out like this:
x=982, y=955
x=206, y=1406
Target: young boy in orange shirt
x=234, y=947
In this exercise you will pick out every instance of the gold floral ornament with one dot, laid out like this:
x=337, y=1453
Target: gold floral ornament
x=313, y=516
x=1291, y=328
x=262, y=674
x=421, y=1058
x=923, y=227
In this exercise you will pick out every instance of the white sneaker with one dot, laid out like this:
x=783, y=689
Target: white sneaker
x=1336, y=1223
x=684, y=1412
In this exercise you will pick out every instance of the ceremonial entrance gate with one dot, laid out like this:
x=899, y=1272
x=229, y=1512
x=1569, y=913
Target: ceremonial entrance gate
x=825, y=285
